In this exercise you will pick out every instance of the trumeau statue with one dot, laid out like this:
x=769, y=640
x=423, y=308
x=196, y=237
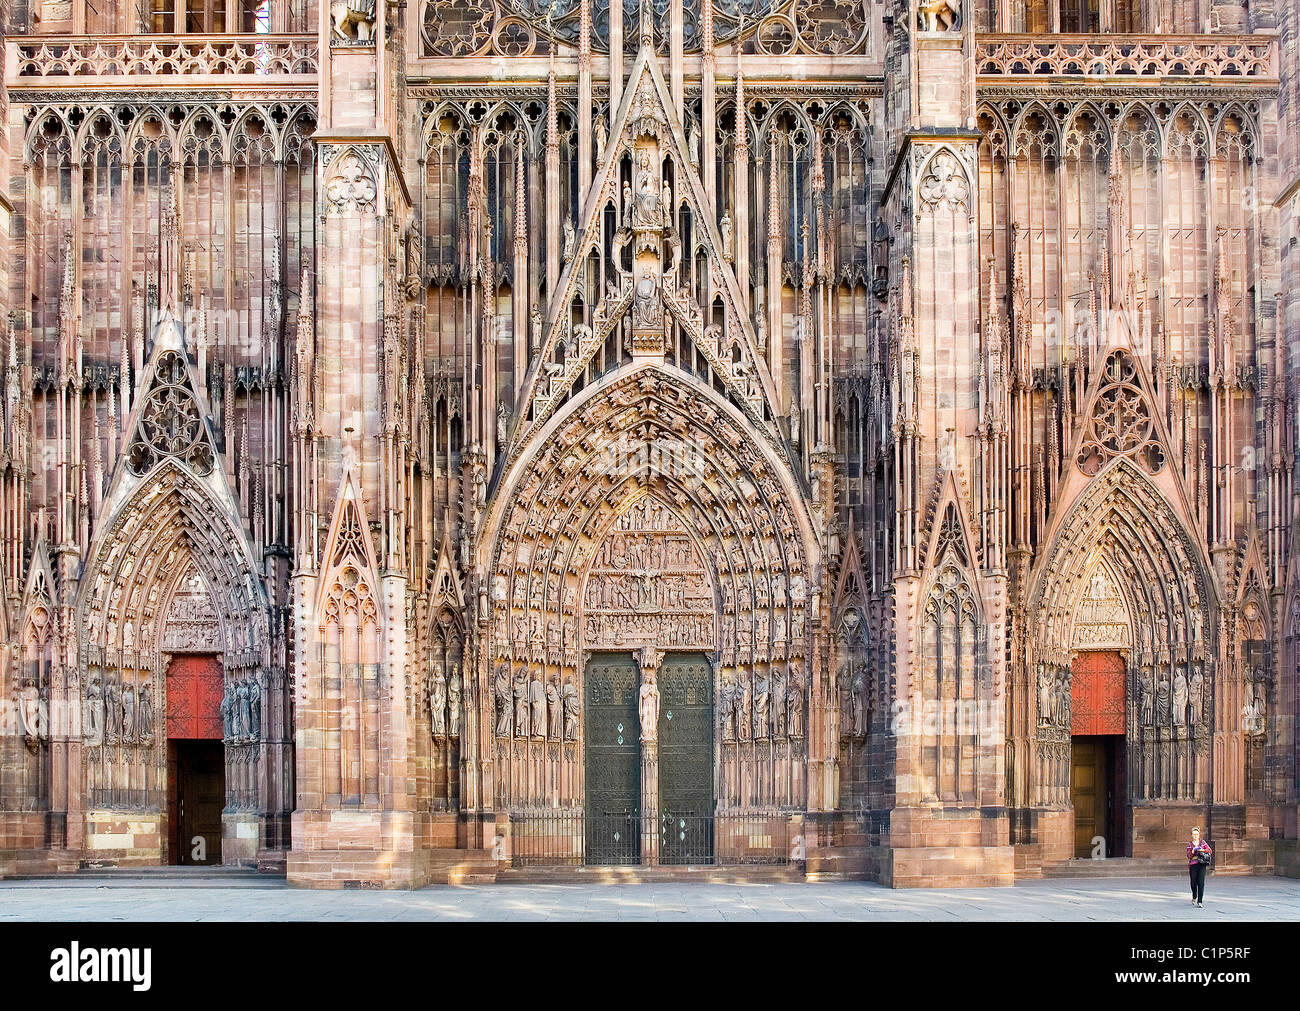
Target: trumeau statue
x=648, y=708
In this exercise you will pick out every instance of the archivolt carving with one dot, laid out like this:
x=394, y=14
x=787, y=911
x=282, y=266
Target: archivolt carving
x=641, y=471
x=1122, y=521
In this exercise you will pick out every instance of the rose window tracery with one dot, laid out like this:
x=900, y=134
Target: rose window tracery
x=1121, y=423
x=170, y=422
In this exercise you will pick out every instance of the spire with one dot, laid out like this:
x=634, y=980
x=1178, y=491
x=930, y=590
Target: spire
x=647, y=28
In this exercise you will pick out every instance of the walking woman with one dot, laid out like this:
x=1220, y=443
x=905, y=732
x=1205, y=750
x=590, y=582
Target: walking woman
x=1198, y=862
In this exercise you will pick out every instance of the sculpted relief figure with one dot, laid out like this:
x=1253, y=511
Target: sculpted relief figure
x=1162, y=698
x=778, y=702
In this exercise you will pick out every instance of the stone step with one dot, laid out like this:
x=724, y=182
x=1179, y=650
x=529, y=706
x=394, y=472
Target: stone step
x=1115, y=867
x=161, y=877
x=741, y=874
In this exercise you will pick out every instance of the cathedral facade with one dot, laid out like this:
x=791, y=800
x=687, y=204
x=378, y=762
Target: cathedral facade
x=458, y=439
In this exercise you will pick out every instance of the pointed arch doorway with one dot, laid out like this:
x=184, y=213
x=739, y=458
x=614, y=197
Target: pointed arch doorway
x=1098, y=753
x=196, y=762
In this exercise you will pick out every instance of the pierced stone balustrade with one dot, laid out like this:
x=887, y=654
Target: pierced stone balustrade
x=261, y=58
x=1250, y=57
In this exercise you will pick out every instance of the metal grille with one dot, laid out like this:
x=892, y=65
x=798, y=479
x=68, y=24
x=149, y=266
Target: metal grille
x=575, y=838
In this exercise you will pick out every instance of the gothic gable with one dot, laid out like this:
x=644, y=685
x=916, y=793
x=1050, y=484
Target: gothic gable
x=644, y=253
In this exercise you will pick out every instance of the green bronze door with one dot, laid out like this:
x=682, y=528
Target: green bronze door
x=685, y=759
x=612, y=760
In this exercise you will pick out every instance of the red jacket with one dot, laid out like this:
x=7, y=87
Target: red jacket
x=1204, y=847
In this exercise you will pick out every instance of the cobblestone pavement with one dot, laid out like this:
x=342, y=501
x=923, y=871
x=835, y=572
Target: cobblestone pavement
x=1155, y=899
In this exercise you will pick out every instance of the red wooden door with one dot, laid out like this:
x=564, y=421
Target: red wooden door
x=1097, y=693
x=195, y=685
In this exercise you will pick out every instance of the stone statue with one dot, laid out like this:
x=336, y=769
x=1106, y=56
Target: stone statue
x=693, y=144
x=741, y=695
x=796, y=701
x=243, y=695
x=1045, y=699
x=537, y=705
x=601, y=136
x=228, y=718
x=778, y=702
x=521, y=704
x=726, y=228
x=727, y=706
x=1148, y=715
x=938, y=15
x=113, y=712
x=648, y=708
x=29, y=705
x=128, y=714
x=1162, y=698
x=1196, y=691
x=570, y=239
x=554, y=711
x=253, y=729
x=146, y=713
x=761, y=700
x=646, y=212
x=92, y=715
x=857, y=701
x=454, y=688
x=667, y=205
x=627, y=202
x=501, y=689
x=352, y=22
x=437, y=691
x=571, y=710
x=1180, y=698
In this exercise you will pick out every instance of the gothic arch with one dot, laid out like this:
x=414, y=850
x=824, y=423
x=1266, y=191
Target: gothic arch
x=644, y=432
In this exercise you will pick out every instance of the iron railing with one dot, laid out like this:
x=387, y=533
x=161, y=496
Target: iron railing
x=577, y=838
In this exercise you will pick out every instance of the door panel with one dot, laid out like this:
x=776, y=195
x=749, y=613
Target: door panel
x=612, y=760
x=1087, y=787
x=200, y=795
x=685, y=759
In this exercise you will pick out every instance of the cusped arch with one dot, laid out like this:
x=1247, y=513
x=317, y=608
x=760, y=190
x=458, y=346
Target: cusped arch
x=1123, y=516
x=170, y=517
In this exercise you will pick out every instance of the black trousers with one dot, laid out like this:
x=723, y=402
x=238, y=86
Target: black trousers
x=1197, y=873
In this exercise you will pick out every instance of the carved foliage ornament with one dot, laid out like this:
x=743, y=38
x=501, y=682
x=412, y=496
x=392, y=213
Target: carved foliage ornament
x=170, y=422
